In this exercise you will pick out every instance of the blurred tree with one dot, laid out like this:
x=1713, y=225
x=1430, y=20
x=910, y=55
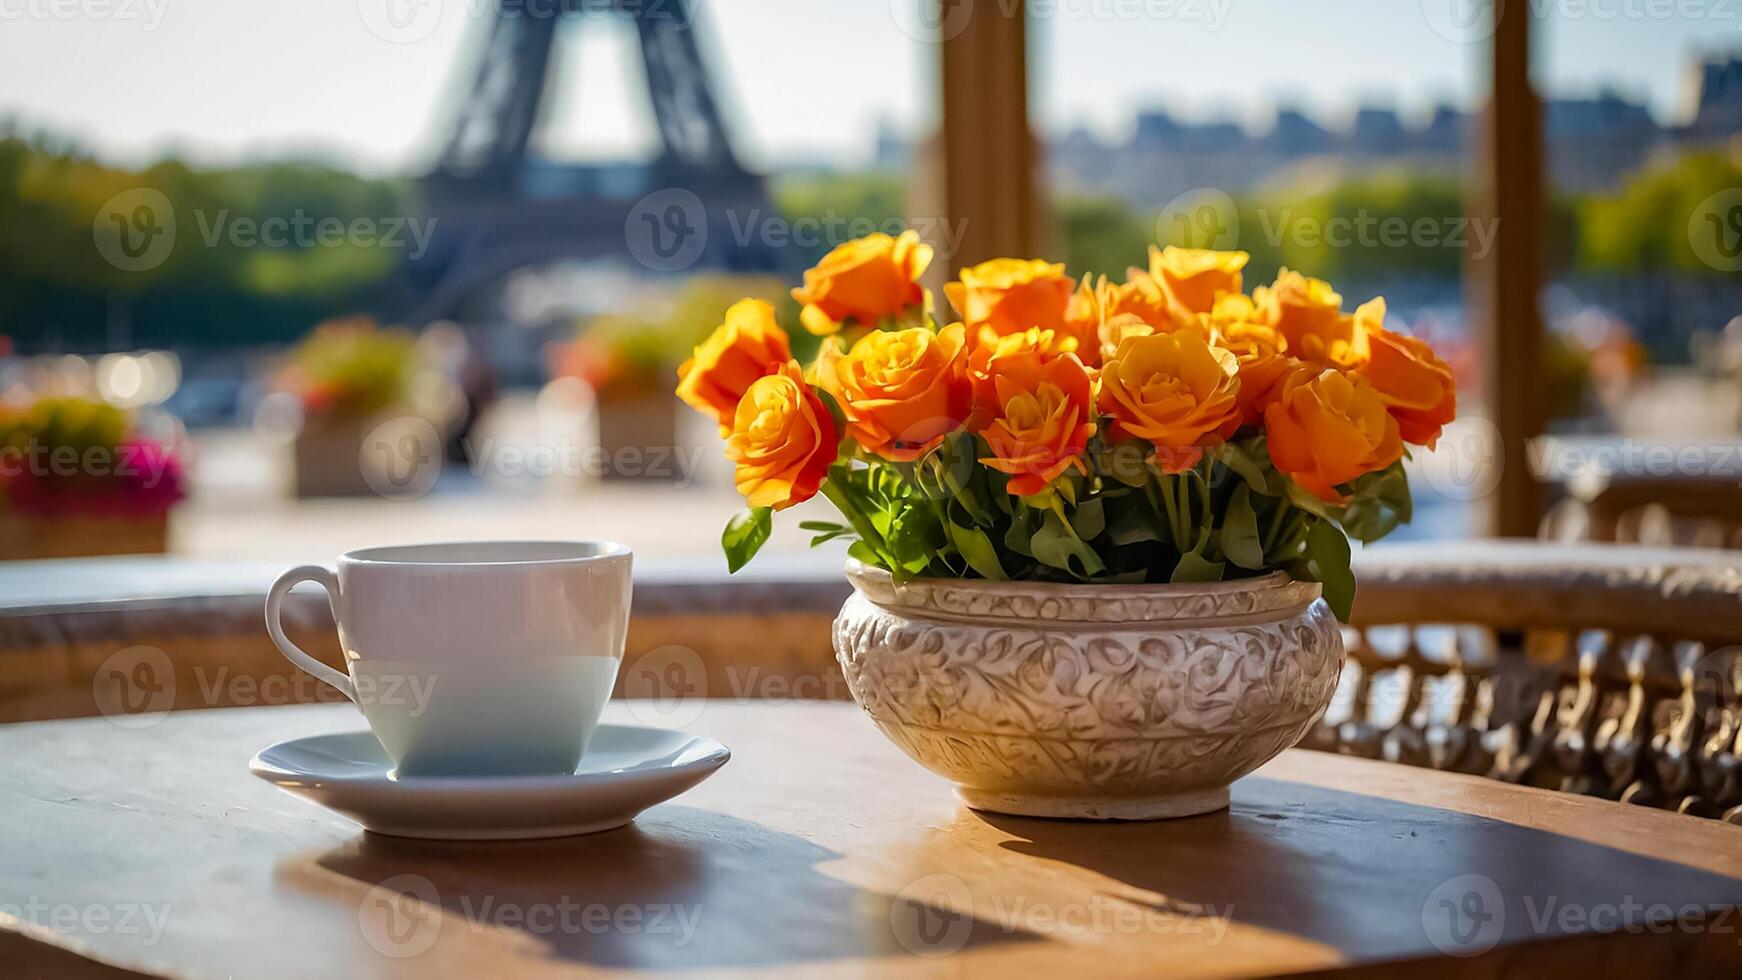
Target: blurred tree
x=1102, y=235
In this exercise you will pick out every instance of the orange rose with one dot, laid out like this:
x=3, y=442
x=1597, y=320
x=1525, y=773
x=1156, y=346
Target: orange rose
x=783, y=440
x=1411, y=379
x=1194, y=277
x=1309, y=313
x=1116, y=329
x=1083, y=320
x=1011, y=295
x=1264, y=363
x=747, y=346
x=1174, y=390
x=1328, y=428
x=993, y=355
x=902, y=390
x=1095, y=304
x=1043, y=422
x=863, y=281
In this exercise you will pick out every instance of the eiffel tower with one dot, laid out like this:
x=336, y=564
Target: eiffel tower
x=497, y=207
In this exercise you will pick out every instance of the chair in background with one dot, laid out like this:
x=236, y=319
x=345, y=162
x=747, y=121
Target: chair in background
x=1597, y=669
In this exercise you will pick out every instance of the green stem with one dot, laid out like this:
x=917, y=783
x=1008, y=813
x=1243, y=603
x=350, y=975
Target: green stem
x=1294, y=535
x=1276, y=517
x=1171, y=506
x=835, y=489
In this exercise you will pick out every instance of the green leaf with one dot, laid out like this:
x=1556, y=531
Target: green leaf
x=1017, y=537
x=745, y=534
x=1235, y=457
x=1239, y=535
x=834, y=408
x=1195, y=568
x=867, y=554
x=1307, y=501
x=1129, y=520
x=1127, y=463
x=1328, y=550
x=913, y=537
x=821, y=526
x=1054, y=544
x=977, y=550
x=1089, y=520
x=1378, y=503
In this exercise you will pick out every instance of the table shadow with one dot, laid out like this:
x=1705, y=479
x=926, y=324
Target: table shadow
x=1301, y=860
x=707, y=890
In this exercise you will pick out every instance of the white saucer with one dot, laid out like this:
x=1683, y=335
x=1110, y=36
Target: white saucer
x=626, y=770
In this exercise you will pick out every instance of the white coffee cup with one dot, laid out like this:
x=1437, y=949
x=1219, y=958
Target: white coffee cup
x=474, y=659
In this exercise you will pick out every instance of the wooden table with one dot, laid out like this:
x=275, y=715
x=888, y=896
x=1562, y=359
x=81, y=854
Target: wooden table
x=820, y=850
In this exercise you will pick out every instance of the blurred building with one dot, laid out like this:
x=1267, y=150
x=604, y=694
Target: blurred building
x=1593, y=144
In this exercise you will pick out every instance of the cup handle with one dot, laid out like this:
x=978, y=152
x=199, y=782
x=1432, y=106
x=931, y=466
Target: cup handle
x=326, y=579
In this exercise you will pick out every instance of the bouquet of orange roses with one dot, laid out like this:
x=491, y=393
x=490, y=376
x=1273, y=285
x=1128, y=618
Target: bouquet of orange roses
x=1169, y=428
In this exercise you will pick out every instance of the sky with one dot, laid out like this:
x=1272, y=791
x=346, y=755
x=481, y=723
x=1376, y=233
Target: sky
x=369, y=83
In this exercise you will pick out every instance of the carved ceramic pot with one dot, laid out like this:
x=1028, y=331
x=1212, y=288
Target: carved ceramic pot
x=1111, y=702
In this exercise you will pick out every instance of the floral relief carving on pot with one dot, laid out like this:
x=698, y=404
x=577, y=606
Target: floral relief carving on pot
x=1047, y=699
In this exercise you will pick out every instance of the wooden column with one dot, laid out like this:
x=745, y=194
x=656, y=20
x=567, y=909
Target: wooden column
x=988, y=164
x=1504, y=285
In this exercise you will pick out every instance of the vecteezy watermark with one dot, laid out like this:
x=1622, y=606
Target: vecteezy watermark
x=402, y=917
x=1556, y=459
x=409, y=21
x=1364, y=229
x=299, y=229
x=146, y=13
x=1467, y=916
x=1464, y=916
x=667, y=685
x=936, y=915
x=831, y=228
x=132, y=462
x=134, y=687
x=668, y=230
x=136, y=230
x=1204, y=217
x=1464, y=21
x=401, y=458
x=942, y=20
x=670, y=685
x=1472, y=21
x=1715, y=230
x=98, y=919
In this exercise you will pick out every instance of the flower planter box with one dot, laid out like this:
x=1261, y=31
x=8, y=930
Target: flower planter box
x=638, y=437
x=24, y=537
x=1100, y=702
x=328, y=458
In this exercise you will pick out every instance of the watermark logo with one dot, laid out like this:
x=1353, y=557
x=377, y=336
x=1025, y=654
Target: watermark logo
x=135, y=230
x=1715, y=230
x=1466, y=462
x=931, y=917
x=134, y=688
x=1204, y=217
x=400, y=21
x=666, y=686
x=1463, y=21
x=1464, y=916
x=401, y=458
x=147, y=13
x=667, y=230
x=401, y=916
x=932, y=21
